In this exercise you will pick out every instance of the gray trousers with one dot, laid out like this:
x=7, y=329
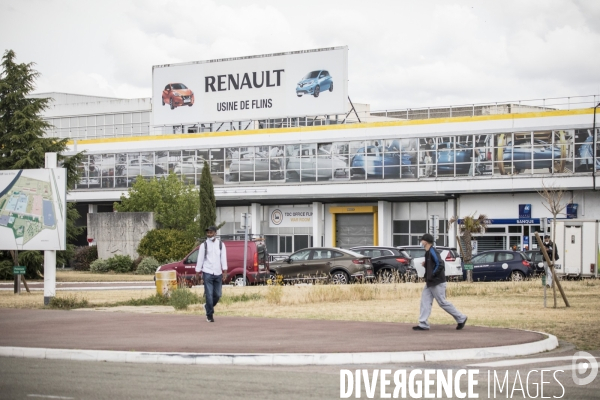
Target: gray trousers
x=438, y=293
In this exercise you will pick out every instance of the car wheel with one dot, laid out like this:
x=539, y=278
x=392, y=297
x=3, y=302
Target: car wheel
x=299, y=95
x=163, y=100
x=517, y=276
x=234, y=177
x=331, y=87
x=292, y=175
x=171, y=104
x=191, y=104
x=340, y=278
x=239, y=280
x=273, y=278
x=317, y=91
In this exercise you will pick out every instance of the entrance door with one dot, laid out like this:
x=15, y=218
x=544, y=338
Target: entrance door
x=572, y=261
x=354, y=230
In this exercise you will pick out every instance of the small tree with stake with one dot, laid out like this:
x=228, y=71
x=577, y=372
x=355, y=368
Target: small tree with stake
x=467, y=228
x=553, y=202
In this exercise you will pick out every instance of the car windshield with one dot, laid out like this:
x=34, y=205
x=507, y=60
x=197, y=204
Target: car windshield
x=312, y=75
x=176, y=86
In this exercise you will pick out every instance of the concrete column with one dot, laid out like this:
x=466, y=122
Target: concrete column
x=50, y=255
x=384, y=223
x=452, y=211
x=317, y=220
x=256, y=211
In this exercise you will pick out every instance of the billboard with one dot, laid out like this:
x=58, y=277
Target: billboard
x=294, y=84
x=33, y=209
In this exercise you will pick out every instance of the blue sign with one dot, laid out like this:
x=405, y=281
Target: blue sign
x=572, y=210
x=524, y=211
x=510, y=221
x=526, y=240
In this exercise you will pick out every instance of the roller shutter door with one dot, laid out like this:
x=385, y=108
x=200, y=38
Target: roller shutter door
x=354, y=230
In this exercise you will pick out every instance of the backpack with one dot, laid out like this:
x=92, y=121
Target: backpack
x=206, y=247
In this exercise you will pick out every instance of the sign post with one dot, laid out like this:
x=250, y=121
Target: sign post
x=245, y=224
x=434, y=226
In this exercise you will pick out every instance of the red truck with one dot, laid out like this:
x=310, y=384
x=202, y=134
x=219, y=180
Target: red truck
x=257, y=264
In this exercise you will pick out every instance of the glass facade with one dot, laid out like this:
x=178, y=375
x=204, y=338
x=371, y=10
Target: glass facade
x=567, y=151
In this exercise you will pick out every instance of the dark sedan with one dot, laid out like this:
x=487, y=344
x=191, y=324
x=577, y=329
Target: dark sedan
x=536, y=259
x=339, y=266
x=499, y=265
x=451, y=155
x=389, y=263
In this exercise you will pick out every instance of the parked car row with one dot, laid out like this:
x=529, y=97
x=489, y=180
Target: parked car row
x=359, y=264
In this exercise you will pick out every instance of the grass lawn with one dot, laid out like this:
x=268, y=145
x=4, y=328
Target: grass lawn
x=496, y=304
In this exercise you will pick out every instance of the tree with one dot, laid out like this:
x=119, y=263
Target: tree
x=174, y=203
x=23, y=144
x=208, y=203
x=470, y=225
x=553, y=202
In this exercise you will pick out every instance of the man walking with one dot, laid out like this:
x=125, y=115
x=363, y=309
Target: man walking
x=212, y=262
x=553, y=255
x=435, y=288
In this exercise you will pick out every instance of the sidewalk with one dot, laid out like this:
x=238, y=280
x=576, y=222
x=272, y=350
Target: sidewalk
x=176, y=333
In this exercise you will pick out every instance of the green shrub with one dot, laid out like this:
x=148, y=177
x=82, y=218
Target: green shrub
x=147, y=266
x=83, y=257
x=181, y=298
x=6, y=269
x=33, y=260
x=120, y=263
x=68, y=302
x=165, y=244
x=99, y=266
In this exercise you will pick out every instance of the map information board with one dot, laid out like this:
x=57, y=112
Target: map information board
x=33, y=209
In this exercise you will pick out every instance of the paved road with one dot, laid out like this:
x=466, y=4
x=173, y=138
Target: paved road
x=57, y=379
x=81, y=286
x=191, y=333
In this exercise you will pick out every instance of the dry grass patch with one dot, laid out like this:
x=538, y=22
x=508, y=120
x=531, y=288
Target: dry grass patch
x=86, y=276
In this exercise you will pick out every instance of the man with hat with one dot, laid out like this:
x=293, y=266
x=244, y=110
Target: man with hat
x=435, y=288
x=212, y=262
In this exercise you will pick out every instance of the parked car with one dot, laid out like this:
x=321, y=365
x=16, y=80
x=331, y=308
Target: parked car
x=177, y=95
x=536, y=259
x=314, y=83
x=450, y=155
x=452, y=260
x=305, y=165
x=254, y=166
x=340, y=266
x=389, y=263
x=374, y=162
x=498, y=265
x=257, y=263
x=521, y=154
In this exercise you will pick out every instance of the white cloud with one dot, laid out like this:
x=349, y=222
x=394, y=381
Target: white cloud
x=402, y=54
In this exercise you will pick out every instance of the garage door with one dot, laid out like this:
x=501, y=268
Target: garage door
x=354, y=230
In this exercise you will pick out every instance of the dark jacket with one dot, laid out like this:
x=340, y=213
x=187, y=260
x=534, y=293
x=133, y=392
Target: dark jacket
x=434, y=271
x=549, y=247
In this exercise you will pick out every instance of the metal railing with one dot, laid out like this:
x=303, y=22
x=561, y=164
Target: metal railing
x=493, y=108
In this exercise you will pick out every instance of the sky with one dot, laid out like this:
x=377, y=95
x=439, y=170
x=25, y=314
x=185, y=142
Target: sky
x=402, y=54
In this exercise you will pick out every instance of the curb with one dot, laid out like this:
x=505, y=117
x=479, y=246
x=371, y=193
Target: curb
x=549, y=343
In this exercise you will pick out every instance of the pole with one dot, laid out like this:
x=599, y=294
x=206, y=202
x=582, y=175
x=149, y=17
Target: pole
x=50, y=255
x=245, y=246
x=594, y=150
x=17, y=276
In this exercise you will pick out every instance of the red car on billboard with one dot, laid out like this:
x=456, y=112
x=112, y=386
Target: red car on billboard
x=177, y=95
